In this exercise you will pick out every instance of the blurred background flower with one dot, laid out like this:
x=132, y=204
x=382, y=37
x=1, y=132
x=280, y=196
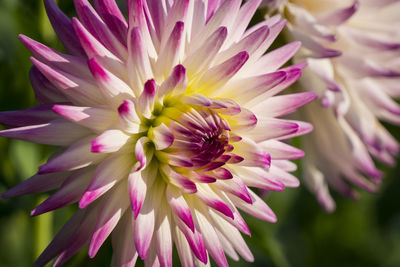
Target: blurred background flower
x=353, y=49
x=364, y=233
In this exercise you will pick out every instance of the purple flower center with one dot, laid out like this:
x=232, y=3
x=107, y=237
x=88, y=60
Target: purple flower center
x=205, y=137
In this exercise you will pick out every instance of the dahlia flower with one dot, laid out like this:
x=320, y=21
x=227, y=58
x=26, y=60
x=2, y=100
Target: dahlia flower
x=165, y=120
x=353, y=51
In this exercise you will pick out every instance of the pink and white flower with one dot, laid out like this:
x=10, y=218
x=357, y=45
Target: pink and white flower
x=352, y=49
x=165, y=121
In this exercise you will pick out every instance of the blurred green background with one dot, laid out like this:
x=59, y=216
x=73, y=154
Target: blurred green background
x=358, y=233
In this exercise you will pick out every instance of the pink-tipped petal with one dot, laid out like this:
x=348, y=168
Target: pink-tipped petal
x=78, y=90
x=96, y=26
x=52, y=133
x=178, y=179
x=97, y=119
x=215, y=77
x=40, y=114
x=75, y=157
x=138, y=184
x=37, y=184
x=179, y=206
x=107, y=174
x=70, y=192
x=109, y=141
x=112, y=16
x=257, y=209
x=113, y=207
x=63, y=27
x=161, y=136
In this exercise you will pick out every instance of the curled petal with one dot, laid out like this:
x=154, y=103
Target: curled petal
x=138, y=184
x=161, y=136
x=128, y=118
x=110, y=141
x=178, y=179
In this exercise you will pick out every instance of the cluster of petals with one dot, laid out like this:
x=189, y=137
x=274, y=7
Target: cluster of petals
x=352, y=49
x=164, y=120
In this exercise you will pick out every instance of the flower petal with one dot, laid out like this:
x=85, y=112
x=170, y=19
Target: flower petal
x=70, y=192
x=37, y=184
x=179, y=206
x=63, y=27
x=107, y=174
x=52, y=133
x=138, y=184
x=178, y=179
x=110, y=141
x=112, y=208
x=95, y=118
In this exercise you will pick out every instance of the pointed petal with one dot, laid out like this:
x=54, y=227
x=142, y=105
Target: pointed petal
x=213, y=79
x=176, y=82
x=179, y=206
x=37, y=184
x=178, y=179
x=270, y=128
x=208, y=197
x=96, y=26
x=255, y=177
x=128, y=117
x=236, y=187
x=210, y=238
x=244, y=90
x=285, y=104
x=257, y=209
x=70, y=192
x=234, y=237
x=110, y=141
x=124, y=250
x=169, y=54
x=63, y=27
x=45, y=91
x=138, y=184
x=113, y=89
x=79, y=90
x=138, y=64
x=340, y=16
x=201, y=59
x=183, y=248
x=79, y=238
x=143, y=226
x=67, y=63
x=163, y=237
x=61, y=239
x=275, y=59
x=112, y=16
x=112, y=208
x=107, y=174
x=52, y=133
x=40, y=114
x=194, y=239
x=253, y=154
x=279, y=150
x=95, y=118
x=94, y=49
x=145, y=103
